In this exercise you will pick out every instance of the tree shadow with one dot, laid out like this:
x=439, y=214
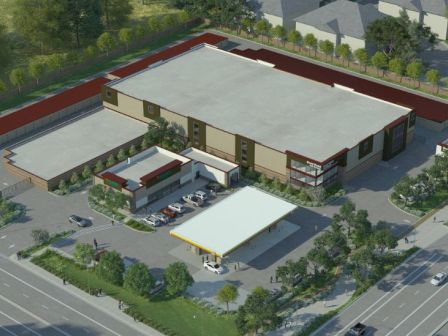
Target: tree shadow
x=71, y=329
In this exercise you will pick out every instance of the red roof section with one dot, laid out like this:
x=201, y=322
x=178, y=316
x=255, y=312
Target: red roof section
x=50, y=105
x=178, y=49
x=424, y=107
x=115, y=178
x=148, y=177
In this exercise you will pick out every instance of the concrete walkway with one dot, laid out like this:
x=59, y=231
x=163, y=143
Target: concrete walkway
x=106, y=304
x=424, y=234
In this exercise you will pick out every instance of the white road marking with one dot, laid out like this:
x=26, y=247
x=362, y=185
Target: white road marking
x=417, y=291
x=415, y=310
x=402, y=305
x=386, y=318
x=26, y=296
x=382, y=297
x=45, y=322
x=7, y=285
x=60, y=302
x=65, y=318
x=427, y=317
x=406, y=220
x=3, y=237
x=44, y=306
x=440, y=326
x=83, y=192
x=14, y=320
x=5, y=183
x=8, y=331
x=12, y=246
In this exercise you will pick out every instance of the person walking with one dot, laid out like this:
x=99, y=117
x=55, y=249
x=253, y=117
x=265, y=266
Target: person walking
x=271, y=278
x=120, y=304
x=406, y=240
x=434, y=219
x=95, y=243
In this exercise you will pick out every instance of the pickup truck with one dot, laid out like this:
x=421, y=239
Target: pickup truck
x=358, y=329
x=193, y=200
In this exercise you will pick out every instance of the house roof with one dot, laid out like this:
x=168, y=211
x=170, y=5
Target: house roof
x=425, y=107
x=50, y=105
x=437, y=7
x=271, y=107
x=342, y=17
x=285, y=8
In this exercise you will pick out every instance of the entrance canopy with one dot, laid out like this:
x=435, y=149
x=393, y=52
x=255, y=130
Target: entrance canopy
x=233, y=221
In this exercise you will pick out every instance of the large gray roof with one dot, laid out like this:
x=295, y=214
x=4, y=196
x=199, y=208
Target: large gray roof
x=270, y=106
x=285, y=8
x=430, y=6
x=342, y=17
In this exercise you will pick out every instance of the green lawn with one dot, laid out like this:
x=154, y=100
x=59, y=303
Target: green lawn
x=426, y=205
x=99, y=67
x=178, y=315
x=136, y=225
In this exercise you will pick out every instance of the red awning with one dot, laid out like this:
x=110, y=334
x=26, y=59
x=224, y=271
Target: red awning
x=158, y=171
x=115, y=178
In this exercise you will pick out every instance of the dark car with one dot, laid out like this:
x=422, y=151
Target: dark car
x=168, y=212
x=81, y=222
x=358, y=329
x=214, y=187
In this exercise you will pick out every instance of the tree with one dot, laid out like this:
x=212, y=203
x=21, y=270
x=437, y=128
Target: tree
x=227, y=294
x=311, y=42
x=111, y=161
x=384, y=239
x=125, y=36
x=5, y=49
x=98, y=191
x=414, y=70
x=256, y=312
x=248, y=24
x=403, y=189
x=86, y=172
x=433, y=76
x=294, y=37
x=121, y=155
x=288, y=272
x=90, y=52
x=115, y=12
x=317, y=193
x=40, y=236
x=111, y=268
x=56, y=61
x=379, y=61
x=177, y=278
x=74, y=178
x=362, y=57
x=84, y=253
x=168, y=21
x=132, y=150
x=154, y=24
x=17, y=78
x=105, y=42
x=344, y=51
x=346, y=216
x=362, y=228
x=262, y=27
x=84, y=19
x=138, y=279
x=139, y=31
x=99, y=166
x=144, y=143
x=62, y=185
x=279, y=33
x=2, y=86
x=320, y=258
x=396, y=65
x=327, y=47
x=399, y=36
x=182, y=17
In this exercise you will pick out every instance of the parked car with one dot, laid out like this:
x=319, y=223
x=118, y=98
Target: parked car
x=274, y=294
x=168, y=212
x=160, y=216
x=214, y=186
x=158, y=286
x=358, y=329
x=193, y=200
x=201, y=195
x=177, y=207
x=297, y=279
x=150, y=220
x=81, y=222
x=213, y=266
x=439, y=279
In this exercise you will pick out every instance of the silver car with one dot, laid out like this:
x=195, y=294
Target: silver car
x=81, y=222
x=152, y=221
x=161, y=217
x=177, y=207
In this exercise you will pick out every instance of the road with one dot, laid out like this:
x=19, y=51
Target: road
x=29, y=305
x=404, y=303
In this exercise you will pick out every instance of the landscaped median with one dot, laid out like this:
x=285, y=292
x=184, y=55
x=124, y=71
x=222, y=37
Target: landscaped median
x=171, y=316
x=10, y=211
x=139, y=226
x=42, y=243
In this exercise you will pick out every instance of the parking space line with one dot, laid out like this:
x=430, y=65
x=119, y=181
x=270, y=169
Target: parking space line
x=20, y=323
x=6, y=285
x=417, y=291
x=26, y=296
x=427, y=317
x=8, y=331
x=402, y=305
x=385, y=319
x=415, y=310
x=44, y=306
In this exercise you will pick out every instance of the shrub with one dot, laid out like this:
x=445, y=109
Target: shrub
x=62, y=185
x=138, y=279
x=99, y=166
x=264, y=180
x=133, y=150
x=111, y=268
x=121, y=155
x=40, y=236
x=87, y=172
x=75, y=178
x=111, y=161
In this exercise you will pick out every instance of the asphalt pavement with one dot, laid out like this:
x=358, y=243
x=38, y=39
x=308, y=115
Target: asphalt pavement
x=404, y=303
x=32, y=305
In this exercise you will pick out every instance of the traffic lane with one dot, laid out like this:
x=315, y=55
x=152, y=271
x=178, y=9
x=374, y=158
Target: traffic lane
x=376, y=297
x=78, y=312
x=404, y=310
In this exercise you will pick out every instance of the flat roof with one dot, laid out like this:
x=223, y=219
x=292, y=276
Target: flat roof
x=142, y=164
x=253, y=99
x=208, y=159
x=75, y=143
x=230, y=223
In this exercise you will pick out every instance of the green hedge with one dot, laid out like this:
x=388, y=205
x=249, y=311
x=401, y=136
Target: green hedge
x=53, y=239
x=136, y=225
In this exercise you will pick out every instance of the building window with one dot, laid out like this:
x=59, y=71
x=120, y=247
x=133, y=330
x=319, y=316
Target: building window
x=151, y=109
x=108, y=94
x=397, y=138
x=365, y=147
x=243, y=151
x=196, y=137
x=412, y=119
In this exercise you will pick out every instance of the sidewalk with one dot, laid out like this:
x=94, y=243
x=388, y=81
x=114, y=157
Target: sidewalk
x=106, y=304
